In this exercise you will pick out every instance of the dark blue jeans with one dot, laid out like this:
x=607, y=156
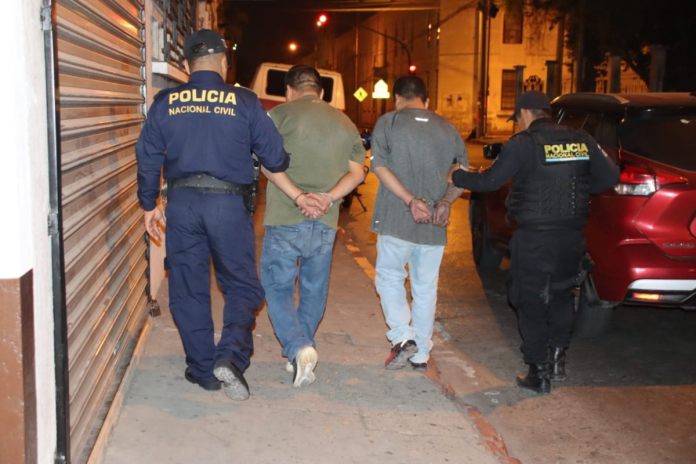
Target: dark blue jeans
x=201, y=226
x=299, y=252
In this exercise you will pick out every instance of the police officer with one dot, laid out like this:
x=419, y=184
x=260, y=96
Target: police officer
x=203, y=133
x=554, y=170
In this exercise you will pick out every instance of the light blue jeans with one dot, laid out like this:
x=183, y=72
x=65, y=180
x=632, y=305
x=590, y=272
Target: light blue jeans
x=296, y=253
x=414, y=322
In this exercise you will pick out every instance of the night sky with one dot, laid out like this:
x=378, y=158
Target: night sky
x=264, y=31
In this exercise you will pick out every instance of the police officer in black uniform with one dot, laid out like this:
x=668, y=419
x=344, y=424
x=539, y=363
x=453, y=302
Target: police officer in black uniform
x=554, y=170
x=203, y=133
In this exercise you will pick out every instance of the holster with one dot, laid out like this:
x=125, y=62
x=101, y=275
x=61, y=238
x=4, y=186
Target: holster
x=250, y=195
x=584, y=269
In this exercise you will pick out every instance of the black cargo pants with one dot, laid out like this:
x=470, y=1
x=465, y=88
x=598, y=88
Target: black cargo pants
x=543, y=268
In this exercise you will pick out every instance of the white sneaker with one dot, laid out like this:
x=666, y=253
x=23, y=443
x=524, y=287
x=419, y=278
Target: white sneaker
x=305, y=362
x=289, y=367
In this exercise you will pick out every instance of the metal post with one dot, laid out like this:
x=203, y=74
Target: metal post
x=579, y=69
x=55, y=230
x=483, y=73
x=658, y=58
x=357, y=64
x=614, y=73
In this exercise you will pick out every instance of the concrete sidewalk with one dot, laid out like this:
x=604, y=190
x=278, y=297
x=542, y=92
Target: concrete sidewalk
x=356, y=411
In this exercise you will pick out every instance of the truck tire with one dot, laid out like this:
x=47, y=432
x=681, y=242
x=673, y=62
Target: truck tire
x=486, y=256
x=593, y=317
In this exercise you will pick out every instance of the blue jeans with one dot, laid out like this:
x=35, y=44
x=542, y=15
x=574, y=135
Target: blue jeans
x=299, y=252
x=414, y=322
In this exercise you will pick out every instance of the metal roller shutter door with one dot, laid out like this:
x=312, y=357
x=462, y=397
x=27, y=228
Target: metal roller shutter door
x=100, y=97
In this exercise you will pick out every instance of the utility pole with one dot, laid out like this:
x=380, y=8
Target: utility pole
x=483, y=71
x=579, y=70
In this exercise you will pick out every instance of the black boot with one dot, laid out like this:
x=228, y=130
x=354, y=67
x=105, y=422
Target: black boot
x=537, y=379
x=557, y=356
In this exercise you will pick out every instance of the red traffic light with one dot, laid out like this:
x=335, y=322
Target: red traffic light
x=321, y=19
x=412, y=69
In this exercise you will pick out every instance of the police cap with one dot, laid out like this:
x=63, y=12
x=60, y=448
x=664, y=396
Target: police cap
x=203, y=42
x=531, y=100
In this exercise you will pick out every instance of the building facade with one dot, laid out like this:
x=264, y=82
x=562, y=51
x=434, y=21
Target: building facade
x=463, y=52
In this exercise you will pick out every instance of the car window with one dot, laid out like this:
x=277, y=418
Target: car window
x=669, y=139
x=574, y=119
x=601, y=126
x=604, y=129
x=275, y=84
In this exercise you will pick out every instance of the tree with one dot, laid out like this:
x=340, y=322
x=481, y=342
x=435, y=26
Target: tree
x=628, y=28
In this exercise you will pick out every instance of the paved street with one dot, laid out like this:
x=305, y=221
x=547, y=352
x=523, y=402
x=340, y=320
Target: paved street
x=630, y=396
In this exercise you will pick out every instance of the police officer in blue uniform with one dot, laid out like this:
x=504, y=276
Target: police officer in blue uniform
x=554, y=170
x=203, y=134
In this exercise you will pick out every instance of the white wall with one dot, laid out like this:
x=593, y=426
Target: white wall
x=24, y=242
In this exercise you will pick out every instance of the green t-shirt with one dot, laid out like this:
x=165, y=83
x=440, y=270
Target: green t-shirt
x=320, y=140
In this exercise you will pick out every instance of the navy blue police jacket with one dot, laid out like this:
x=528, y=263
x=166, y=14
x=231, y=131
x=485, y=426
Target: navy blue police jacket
x=205, y=126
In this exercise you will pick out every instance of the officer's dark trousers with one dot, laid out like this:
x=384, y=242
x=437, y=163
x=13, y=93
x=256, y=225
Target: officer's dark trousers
x=542, y=273
x=202, y=225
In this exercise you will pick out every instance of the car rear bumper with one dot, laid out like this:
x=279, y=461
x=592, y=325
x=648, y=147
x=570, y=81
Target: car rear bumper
x=667, y=292
x=638, y=266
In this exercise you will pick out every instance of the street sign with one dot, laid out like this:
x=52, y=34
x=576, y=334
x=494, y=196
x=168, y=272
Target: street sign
x=381, y=90
x=360, y=94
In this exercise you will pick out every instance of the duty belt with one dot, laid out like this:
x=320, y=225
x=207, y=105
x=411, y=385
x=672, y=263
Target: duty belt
x=211, y=184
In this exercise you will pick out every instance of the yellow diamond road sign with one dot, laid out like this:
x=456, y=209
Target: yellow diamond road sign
x=360, y=94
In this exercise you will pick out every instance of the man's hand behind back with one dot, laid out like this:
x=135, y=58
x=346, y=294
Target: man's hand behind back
x=442, y=213
x=420, y=211
x=314, y=205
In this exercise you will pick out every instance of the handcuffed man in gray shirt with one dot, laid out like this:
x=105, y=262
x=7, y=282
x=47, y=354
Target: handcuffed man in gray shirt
x=412, y=151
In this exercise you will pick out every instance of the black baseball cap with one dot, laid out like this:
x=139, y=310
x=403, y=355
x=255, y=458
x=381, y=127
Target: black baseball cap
x=532, y=100
x=203, y=42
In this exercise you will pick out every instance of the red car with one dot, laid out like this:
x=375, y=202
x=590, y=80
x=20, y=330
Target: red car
x=641, y=235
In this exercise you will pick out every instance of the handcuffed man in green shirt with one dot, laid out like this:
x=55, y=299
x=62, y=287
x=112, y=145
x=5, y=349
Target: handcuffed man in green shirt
x=326, y=163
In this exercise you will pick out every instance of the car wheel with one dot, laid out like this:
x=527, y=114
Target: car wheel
x=593, y=317
x=486, y=256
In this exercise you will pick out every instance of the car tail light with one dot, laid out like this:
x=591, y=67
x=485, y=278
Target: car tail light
x=646, y=296
x=642, y=181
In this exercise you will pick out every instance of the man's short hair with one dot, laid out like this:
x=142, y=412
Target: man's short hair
x=303, y=77
x=410, y=87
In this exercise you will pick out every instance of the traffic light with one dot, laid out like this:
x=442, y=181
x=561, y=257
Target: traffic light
x=412, y=69
x=321, y=19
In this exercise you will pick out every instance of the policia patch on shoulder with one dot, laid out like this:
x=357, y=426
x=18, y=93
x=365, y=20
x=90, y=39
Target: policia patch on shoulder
x=562, y=152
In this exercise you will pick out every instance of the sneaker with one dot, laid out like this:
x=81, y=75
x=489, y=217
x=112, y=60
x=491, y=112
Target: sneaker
x=420, y=367
x=398, y=357
x=289, y=367
x=304, y=364
x=233, y=382
x=210, y=385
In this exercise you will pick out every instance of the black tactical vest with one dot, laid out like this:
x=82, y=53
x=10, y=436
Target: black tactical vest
x=557, y=192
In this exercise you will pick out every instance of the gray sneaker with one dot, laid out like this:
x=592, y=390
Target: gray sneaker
x=304, y=363
x=233, y=383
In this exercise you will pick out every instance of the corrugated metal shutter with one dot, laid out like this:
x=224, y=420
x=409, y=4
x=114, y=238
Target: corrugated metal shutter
x=100, y=97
